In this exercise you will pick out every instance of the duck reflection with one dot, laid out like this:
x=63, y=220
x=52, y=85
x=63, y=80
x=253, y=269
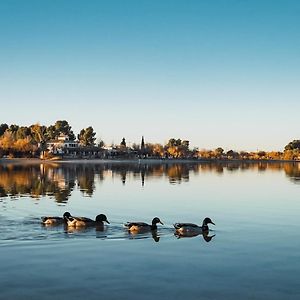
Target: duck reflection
x=204, y=234
x=98, y=231
x=139, y=235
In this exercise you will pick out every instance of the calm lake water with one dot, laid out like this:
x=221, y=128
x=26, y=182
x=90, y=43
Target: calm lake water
x=253, y=251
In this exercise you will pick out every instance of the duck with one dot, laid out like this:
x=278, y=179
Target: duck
x=190, y=228
x=84, y=222
x=142, y=227
x=56, y=220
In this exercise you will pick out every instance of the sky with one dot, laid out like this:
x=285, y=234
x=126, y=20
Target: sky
x=216, y=73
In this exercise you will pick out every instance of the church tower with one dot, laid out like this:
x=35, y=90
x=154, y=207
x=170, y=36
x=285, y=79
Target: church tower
x=142, y=144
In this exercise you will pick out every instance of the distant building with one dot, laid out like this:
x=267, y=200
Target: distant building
x=62, y=145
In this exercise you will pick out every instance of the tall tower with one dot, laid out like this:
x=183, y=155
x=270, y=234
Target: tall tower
x=142, y=144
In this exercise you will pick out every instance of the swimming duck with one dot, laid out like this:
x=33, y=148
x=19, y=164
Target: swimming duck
x=83, y=222
x=140, y=226
x=56, y=220
x=184, y=228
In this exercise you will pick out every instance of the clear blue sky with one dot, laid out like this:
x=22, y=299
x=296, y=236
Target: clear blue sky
x=218, y=73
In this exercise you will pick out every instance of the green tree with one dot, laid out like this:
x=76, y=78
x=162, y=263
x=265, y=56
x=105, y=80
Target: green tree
x=123, y=143
x=63, y=127
x=51, y=133
x=22, y=133
x=3, y=128
x=39, y=133
x=13, y=128
x=295, y=144
x=232, y=154
x=86, y=136
x=178, y=142
x=245, y=155
x=101, y=143
x=171, y=143
x=186, y=144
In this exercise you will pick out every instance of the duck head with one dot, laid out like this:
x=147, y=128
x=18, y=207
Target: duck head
x=157, y=220
x=66, y=215
x=102, y=218
x=207, y=221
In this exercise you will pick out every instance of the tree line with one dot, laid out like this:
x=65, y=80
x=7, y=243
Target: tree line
x=29, y=141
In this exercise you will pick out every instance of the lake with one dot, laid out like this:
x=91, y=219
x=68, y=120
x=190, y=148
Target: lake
x=251, y=253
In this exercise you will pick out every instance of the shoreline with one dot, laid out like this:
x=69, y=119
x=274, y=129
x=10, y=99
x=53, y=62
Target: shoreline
x=29, y=161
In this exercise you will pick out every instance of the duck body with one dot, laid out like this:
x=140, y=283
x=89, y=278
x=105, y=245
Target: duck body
x=141, y=226
x=85, y=222
x=188, y=228
x=56, y=220
x=193, y=229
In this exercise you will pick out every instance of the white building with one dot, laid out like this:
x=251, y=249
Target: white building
x=63, y=145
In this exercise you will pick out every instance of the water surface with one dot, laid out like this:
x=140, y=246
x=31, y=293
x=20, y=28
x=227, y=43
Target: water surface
x=252, y=252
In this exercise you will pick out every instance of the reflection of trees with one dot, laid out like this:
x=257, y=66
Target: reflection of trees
x=59, y=180
x=16, y=180
x=86, y=179
x=177, y=173
x=292, y=170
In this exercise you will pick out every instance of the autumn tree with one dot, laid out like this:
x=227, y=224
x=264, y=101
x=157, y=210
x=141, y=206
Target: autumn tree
x=171, y=143
x=274, y=155
x=158, y=150
x=7, y=141
x=207, y=154
x=261, y=154
x=177, y=148
x=219, y=152
x=290, y=154
x=23, y=145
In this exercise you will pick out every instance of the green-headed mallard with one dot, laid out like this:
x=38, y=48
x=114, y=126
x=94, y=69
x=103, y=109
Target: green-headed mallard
x=82, y=221
x=182, y=228
x=140, y=226
x=56, y=220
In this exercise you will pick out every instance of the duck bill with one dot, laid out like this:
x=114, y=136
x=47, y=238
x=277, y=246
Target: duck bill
x=160, y=222
x=107, y=221
x=213, y=223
